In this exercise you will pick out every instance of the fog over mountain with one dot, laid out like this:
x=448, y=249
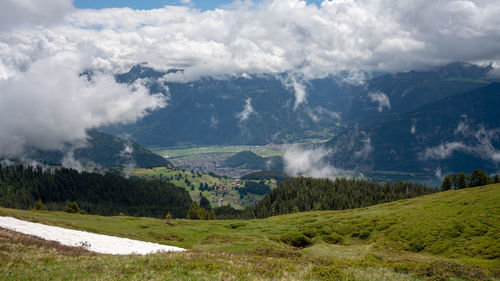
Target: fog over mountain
x=46, y=46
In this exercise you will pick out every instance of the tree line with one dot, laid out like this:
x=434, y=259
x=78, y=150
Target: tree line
x=102, y=194
x=308, y=194
x=462, y=180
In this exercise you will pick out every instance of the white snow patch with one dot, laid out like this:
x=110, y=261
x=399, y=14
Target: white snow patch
x=98, y=243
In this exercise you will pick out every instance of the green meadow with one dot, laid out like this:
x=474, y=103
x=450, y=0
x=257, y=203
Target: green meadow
x=452, y=235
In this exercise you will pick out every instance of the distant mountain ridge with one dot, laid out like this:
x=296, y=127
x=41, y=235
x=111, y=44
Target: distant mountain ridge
x=262, y=109
x=458, y=133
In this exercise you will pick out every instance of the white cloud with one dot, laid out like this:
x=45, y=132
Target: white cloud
x=444, y=150
x=127, y=155
x=309, y=163
x=381, y=99
x=366, y=150
x=51, y=105
x=26, y=12
x=478, y=142
x=269, y=37
x=413, y=129
x=246, y=112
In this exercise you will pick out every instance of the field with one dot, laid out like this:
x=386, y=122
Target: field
x=264, y=151
x=452, y=234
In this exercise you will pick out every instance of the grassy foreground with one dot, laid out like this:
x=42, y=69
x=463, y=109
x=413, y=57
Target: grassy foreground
x=453, y=234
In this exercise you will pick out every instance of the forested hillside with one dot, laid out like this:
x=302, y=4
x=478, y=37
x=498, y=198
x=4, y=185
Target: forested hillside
x=108, y=194
x=308, y=194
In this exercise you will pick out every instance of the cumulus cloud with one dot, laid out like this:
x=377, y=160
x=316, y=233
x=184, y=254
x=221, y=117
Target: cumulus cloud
x=272, y=36
x=25, y=12
x=51, y=104
x=381, y=99
x=246, y=112
x=309, y=163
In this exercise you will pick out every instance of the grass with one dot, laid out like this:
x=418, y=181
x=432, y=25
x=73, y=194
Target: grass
x=28, y=258
x=452, y=234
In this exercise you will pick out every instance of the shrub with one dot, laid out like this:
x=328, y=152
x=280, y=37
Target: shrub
x=72, y=207
x=295, y=239
x=333, y=238
x=39, y=205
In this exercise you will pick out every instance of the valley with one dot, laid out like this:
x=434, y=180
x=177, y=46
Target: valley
x=259, y=140
x=210, y=159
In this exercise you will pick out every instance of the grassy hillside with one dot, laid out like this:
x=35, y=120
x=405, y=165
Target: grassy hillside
x=453, y=231
x=178, y=177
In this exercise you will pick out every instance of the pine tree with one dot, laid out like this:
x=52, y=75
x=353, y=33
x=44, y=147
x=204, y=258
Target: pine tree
x=446, y=183
x=193, y=212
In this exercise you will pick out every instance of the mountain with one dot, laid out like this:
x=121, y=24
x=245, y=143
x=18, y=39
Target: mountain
x=387, y=96
x=457, y=133
x=249, y=160
x=105, y=150
x=263, y=109
x=235, y=110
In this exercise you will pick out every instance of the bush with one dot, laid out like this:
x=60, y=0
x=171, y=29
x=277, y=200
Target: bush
x=333, y=238
x=72, y=207
x=39, y=205
x=296, y=239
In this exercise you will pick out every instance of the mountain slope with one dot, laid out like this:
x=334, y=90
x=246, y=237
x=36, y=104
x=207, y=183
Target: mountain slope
x=236, y=110
x=457, y=133
x=435, y=235
x=387, y=96
x=105, y=150
x=264, y=109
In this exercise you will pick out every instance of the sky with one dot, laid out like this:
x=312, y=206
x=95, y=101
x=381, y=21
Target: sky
x=154, y=4
x=46, y=44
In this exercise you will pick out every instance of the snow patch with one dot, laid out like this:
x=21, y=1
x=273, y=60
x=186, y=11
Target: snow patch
x=98, y=243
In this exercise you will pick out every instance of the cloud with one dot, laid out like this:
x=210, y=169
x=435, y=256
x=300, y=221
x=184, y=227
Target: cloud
x=413, y=129
x=246, y=112
x=309, y=163
x=214, y=122
x=365, y=150
x=444, y=151
x=25, y=12
x=381, y=99
x=126, y=154
x=269, y=37
x=51, y=105
x=477, y=142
